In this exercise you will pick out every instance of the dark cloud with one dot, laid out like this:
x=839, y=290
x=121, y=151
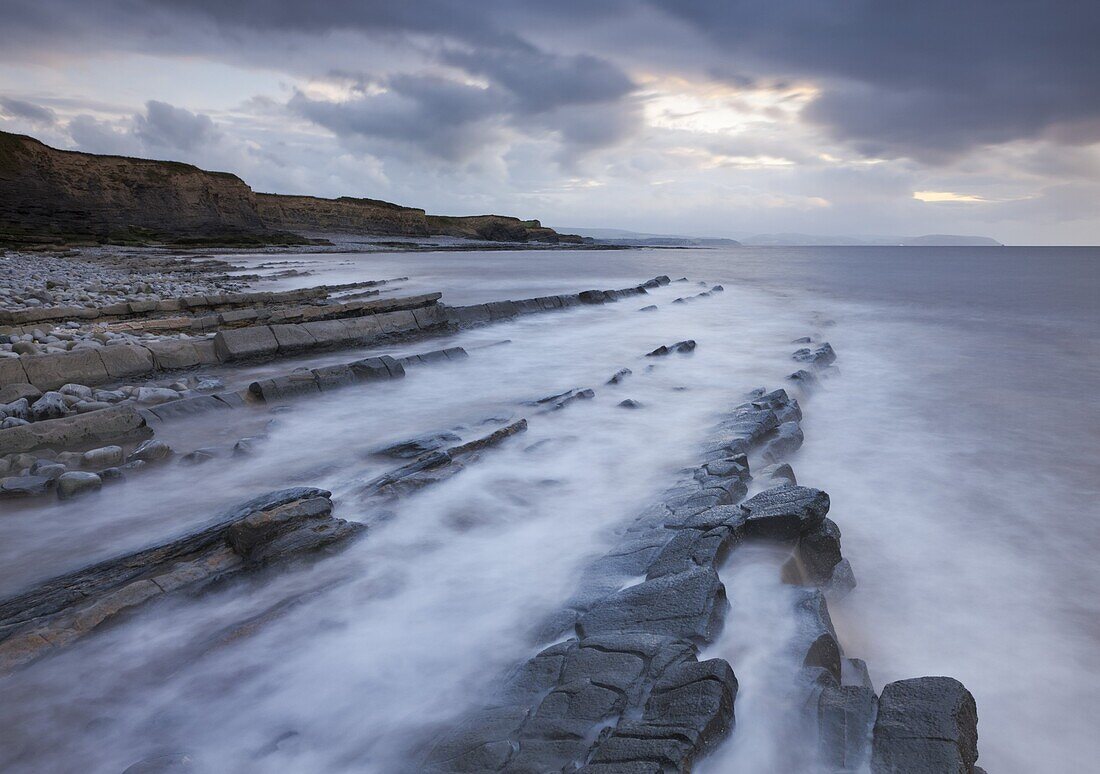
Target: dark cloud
x=929, y=79
x=17, y=108
x=540, y=81
x=166, y=126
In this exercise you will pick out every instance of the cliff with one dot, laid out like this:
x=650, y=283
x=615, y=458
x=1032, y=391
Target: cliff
x=343, y=215
x=55, y=196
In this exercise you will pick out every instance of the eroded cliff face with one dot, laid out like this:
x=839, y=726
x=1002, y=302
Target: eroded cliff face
x=48, y=195
x=343, y=215
x=55, y=196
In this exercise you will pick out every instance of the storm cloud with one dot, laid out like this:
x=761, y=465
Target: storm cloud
x=761, y=102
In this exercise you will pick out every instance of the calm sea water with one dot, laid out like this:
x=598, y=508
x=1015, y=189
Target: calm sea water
x=960, y=444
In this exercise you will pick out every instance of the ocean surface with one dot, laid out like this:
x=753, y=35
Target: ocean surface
x=959, y=442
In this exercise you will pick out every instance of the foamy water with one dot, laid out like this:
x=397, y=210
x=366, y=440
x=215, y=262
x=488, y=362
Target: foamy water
x=958, y=444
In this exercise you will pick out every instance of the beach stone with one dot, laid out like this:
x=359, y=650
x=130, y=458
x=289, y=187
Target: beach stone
x=630, y=403
x=77, y=482
x=25, y=486
x=925, y=725
x=150, y=451
x=153, y=396
x=103, y=457
x=48, y=468
x=50, y=406
x=78, y=390
x=821, y=356
x=650, y=308
x=18, y=409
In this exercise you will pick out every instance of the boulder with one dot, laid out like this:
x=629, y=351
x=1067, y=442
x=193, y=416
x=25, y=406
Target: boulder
x=25, y=486
x=150, y=451
x=103, y=457
x=925, y=725
x=785, y=512
x=820, y=357
x=50, y=406
x=845, y=718
x=48, y=372
x=170, y=355
x=77, y=482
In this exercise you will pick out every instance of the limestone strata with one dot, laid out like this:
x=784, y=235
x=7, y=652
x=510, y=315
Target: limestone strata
x=630, y=666
x=274, y=527
x=437, y=465
x=481, y=314
x=80, y=430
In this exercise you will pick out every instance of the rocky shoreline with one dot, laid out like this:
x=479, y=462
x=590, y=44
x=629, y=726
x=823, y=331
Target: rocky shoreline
x=616, y=684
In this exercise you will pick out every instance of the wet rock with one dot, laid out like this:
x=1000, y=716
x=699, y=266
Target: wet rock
x=656, y=282
x=683, y=347
x=25, y=486
x=785, y=512
x=563, y=399
x=481, y=743
x=10, y=422
x=816, y=630
x=925, y=725
x=150, y=451
x=50, y=406
x=802, y=340
x=619, y=376
x=18, y=409
x=689, y=605
x=49, y=469
x=787, y=439
x=853, y=671
x=77, y=482
x=717, y=289
x=690, y=710
x=103, y=457
x=650, y=308
x=780, y=473
x=845, y=717
x=630, y=403
x=415, y=447
x=199, y=456
x=246, y=446
x=804, y=379
x=820, y=357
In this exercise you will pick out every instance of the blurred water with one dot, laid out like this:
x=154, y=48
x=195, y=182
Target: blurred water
x=958, y=444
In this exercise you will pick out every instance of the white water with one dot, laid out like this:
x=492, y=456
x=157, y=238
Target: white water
x=959, y=446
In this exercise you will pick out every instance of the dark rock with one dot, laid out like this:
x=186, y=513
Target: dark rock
x=414, y=447
x=853, y=671
x=25, y=486
x=50, y=406
x=822, y=356
x=804, y=379
x=845, y=717
x=691, y=548
x=619, y=375
x=787, y=439
x=816, y=629
x=925, y=725
x=10, y=393
x=483, y=742
x=818, y=552
x=630, y=403
x=682, y=347
x=717, y=289
x=165, y=763
x=785, y=512
x=650, y=308
x=49, y=469
x=781, y=472
x=803, y=340
x=563, y=399
x=689, y=605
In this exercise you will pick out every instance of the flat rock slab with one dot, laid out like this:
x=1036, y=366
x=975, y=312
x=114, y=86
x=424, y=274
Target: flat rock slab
x=277, y=526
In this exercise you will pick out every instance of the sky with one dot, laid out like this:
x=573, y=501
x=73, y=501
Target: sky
x=861, y=117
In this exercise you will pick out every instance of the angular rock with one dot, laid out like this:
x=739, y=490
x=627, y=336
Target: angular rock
x=845, y=718
x=689, y=605
x=925, y=725
x=785, y=512
x=50, y=406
